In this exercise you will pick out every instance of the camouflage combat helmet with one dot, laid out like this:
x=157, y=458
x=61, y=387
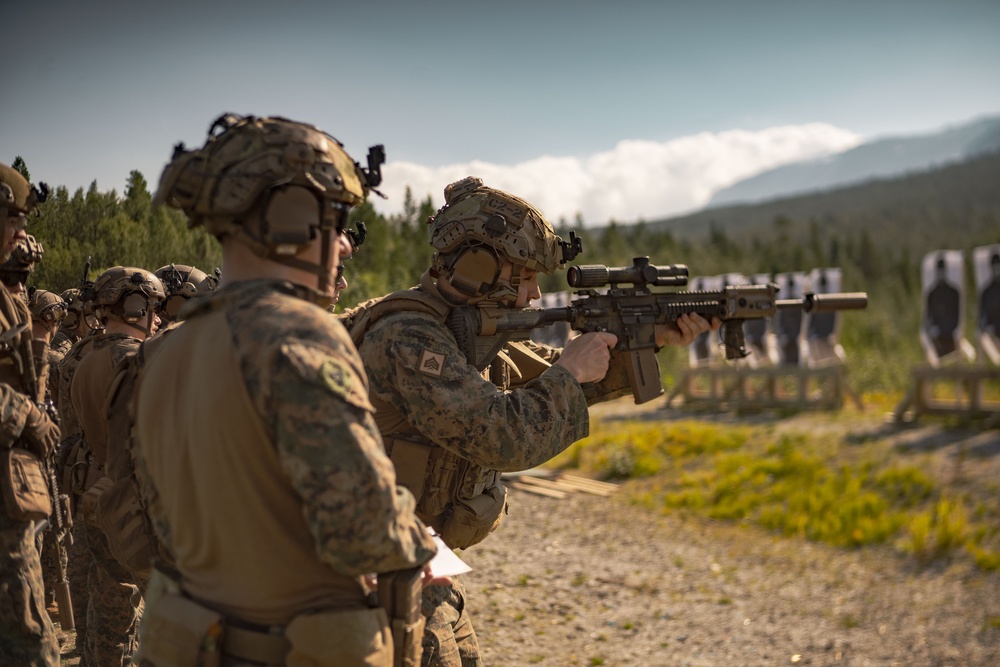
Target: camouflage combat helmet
x=74, y=307
x=128, y=293
x=17, y=195
x=480, y=228
x=47, y=307
x=181, y=282
x=271, y=183
x=80, y=306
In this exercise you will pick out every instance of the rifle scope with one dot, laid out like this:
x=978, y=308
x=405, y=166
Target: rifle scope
x=640, y=273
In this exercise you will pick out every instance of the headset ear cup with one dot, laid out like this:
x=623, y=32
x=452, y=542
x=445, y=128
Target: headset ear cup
x=291, y=215
x=134, y=307
x=475, y=272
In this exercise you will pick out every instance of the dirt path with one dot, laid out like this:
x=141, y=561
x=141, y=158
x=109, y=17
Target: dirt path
x=589, y=580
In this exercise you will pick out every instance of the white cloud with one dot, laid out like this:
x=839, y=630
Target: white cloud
x=636, y=179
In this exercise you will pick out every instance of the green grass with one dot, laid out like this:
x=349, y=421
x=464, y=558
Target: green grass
x=815, y=483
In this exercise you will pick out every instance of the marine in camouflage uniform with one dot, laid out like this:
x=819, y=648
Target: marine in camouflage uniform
x=451, y=430
x=27, y=636
x=47, y=312
x=357, y=239
x=181, y=283
x=79, y=320
x=77, y=469
x=125, y=302
x=262, y=466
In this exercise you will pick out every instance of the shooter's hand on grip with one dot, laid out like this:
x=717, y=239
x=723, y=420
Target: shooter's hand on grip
x=587, y=356
x=688, y=327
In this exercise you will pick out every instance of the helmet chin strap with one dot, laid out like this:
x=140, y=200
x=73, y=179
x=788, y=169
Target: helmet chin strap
x=504, y=294
x=324, y=271
x=324, y=261
x=150, y=314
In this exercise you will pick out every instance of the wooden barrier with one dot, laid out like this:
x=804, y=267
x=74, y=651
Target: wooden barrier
x=751, y=389
x=971, y=391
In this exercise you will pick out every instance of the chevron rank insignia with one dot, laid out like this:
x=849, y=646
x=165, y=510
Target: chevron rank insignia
x=431, y=363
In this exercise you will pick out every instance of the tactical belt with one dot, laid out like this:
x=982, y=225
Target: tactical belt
x=262, y=646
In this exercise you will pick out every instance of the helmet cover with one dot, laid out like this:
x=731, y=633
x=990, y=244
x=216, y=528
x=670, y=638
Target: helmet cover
x=474, y=213
x=479, y=228
x=47, y=306
x=75, y=308
x=128, y=292
x=17, y=195
x=181, y=282
x=220, y=184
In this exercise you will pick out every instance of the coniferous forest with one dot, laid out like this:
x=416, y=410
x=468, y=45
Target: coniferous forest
x=876, y=233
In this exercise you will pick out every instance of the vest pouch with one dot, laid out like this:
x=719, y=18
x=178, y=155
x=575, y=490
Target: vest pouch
x=25, y=486
x=472, y=519
x=410, y=461
x=179, y=632
x=331, y=639
x=129, y=531
x=431, y=479
x=88, y=503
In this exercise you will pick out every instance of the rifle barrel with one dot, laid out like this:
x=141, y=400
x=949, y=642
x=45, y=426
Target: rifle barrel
x=825, y=303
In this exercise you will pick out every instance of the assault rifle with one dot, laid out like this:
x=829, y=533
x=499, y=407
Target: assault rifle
x=631, y=314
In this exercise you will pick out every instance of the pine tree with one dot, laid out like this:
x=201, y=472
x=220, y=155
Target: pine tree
x=19, y=166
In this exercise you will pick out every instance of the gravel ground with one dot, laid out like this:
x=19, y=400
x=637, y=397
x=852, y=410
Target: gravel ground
x=590, y=580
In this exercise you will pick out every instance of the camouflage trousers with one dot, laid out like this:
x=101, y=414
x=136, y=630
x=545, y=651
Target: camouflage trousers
x=114, y=609
x=27, y=636
x=77, y=571
x=449, y=639
x=48, y=550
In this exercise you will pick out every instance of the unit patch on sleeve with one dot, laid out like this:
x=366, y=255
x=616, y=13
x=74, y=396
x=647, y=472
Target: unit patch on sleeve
x=431, y=363
x=336, y=375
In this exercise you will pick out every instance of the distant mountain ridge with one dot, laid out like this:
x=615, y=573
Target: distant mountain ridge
x=940, y=206
x=880, y=158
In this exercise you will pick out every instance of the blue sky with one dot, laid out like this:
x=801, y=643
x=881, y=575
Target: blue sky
x=627, y=109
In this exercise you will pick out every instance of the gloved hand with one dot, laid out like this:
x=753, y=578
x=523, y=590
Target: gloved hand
x=40, y=432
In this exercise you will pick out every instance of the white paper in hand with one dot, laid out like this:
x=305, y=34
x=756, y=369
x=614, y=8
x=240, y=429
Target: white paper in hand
x=445, y=563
